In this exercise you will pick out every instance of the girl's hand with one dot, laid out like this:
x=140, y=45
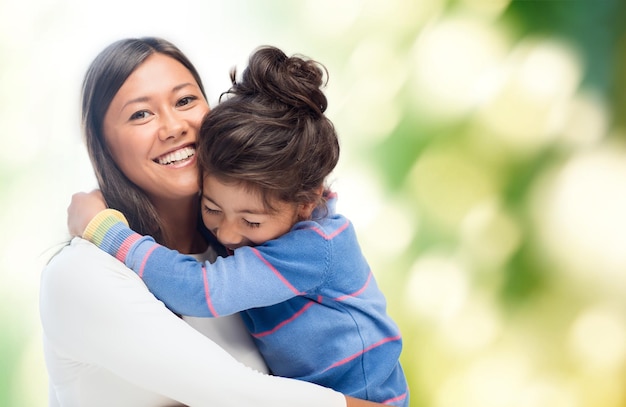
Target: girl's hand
x=83, y=208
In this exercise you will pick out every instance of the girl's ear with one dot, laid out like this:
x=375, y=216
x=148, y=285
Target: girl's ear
x=306, y=209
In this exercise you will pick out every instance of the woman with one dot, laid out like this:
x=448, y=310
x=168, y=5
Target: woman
x=107, y=340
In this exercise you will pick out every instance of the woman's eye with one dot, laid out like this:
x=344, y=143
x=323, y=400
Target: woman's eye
x=252, y=224
x=142, y=114
x=186, y=100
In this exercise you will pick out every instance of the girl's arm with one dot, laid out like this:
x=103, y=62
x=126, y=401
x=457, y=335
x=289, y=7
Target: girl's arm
x=248, y=279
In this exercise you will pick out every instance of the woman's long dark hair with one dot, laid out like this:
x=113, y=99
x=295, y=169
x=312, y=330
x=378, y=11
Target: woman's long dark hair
x=270, y=133
x=106, y=74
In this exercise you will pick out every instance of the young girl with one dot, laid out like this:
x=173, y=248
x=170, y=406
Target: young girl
x=295, y=269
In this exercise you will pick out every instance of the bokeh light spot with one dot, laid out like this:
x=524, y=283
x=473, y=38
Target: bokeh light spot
x=598, y=339
x=437, y=287
x=581, y=217
x=451, y=57
x=527, y=107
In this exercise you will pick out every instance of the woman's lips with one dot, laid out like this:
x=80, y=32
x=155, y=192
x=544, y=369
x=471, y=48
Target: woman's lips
x=177, y=156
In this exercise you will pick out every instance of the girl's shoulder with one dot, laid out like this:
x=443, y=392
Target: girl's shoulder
x=329, y=227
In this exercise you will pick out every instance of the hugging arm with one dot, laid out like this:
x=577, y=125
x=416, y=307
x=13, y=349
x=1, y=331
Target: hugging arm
x=96, y=311
x=253, y=277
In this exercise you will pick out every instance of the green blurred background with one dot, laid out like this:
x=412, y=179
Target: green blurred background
x=483, y=164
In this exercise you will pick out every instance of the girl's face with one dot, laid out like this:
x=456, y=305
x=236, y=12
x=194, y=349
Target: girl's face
x=237, y=216
x=151, y=128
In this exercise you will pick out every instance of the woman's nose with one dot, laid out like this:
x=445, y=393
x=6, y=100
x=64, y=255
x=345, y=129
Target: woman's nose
x=172, y=126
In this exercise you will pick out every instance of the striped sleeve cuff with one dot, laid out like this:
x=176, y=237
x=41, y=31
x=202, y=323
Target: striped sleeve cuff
x=98, y=227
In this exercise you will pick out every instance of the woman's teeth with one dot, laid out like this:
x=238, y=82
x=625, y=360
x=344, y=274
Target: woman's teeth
x=178, y=155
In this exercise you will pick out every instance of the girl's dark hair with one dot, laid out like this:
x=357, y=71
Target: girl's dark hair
x=270, y=132
x=106, y=74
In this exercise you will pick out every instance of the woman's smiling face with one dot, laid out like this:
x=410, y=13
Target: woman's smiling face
x=151, y=128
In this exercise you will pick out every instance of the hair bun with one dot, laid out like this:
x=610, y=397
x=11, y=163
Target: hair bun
x=293, y=81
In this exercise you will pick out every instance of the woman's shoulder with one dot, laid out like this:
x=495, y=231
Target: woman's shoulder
x=80, y=257
x=79, y=286
x=80, y=269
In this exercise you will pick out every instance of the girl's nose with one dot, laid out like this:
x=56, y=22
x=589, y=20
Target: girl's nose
x=228, y=236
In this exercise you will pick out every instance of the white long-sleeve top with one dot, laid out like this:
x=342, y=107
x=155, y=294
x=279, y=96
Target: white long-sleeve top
x=109, y=342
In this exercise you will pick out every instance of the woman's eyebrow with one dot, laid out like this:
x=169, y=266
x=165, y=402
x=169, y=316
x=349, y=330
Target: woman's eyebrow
x=140, y=99
x=143, y=99
x=181, y=86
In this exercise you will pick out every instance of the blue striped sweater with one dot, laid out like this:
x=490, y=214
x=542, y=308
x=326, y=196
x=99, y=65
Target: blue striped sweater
x=308, y=298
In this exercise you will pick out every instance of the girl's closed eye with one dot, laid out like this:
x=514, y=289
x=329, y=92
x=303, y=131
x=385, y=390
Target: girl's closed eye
x=252, y=224
x=211, y=211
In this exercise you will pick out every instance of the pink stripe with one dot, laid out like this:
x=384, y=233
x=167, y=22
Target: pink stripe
x=335, y=233
x=285, y=322
x=356, y=355
x=394, y=399
x=145, y=259
x=207, y=293
x=276, y=272
x=356, y=293
x=122, y=251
